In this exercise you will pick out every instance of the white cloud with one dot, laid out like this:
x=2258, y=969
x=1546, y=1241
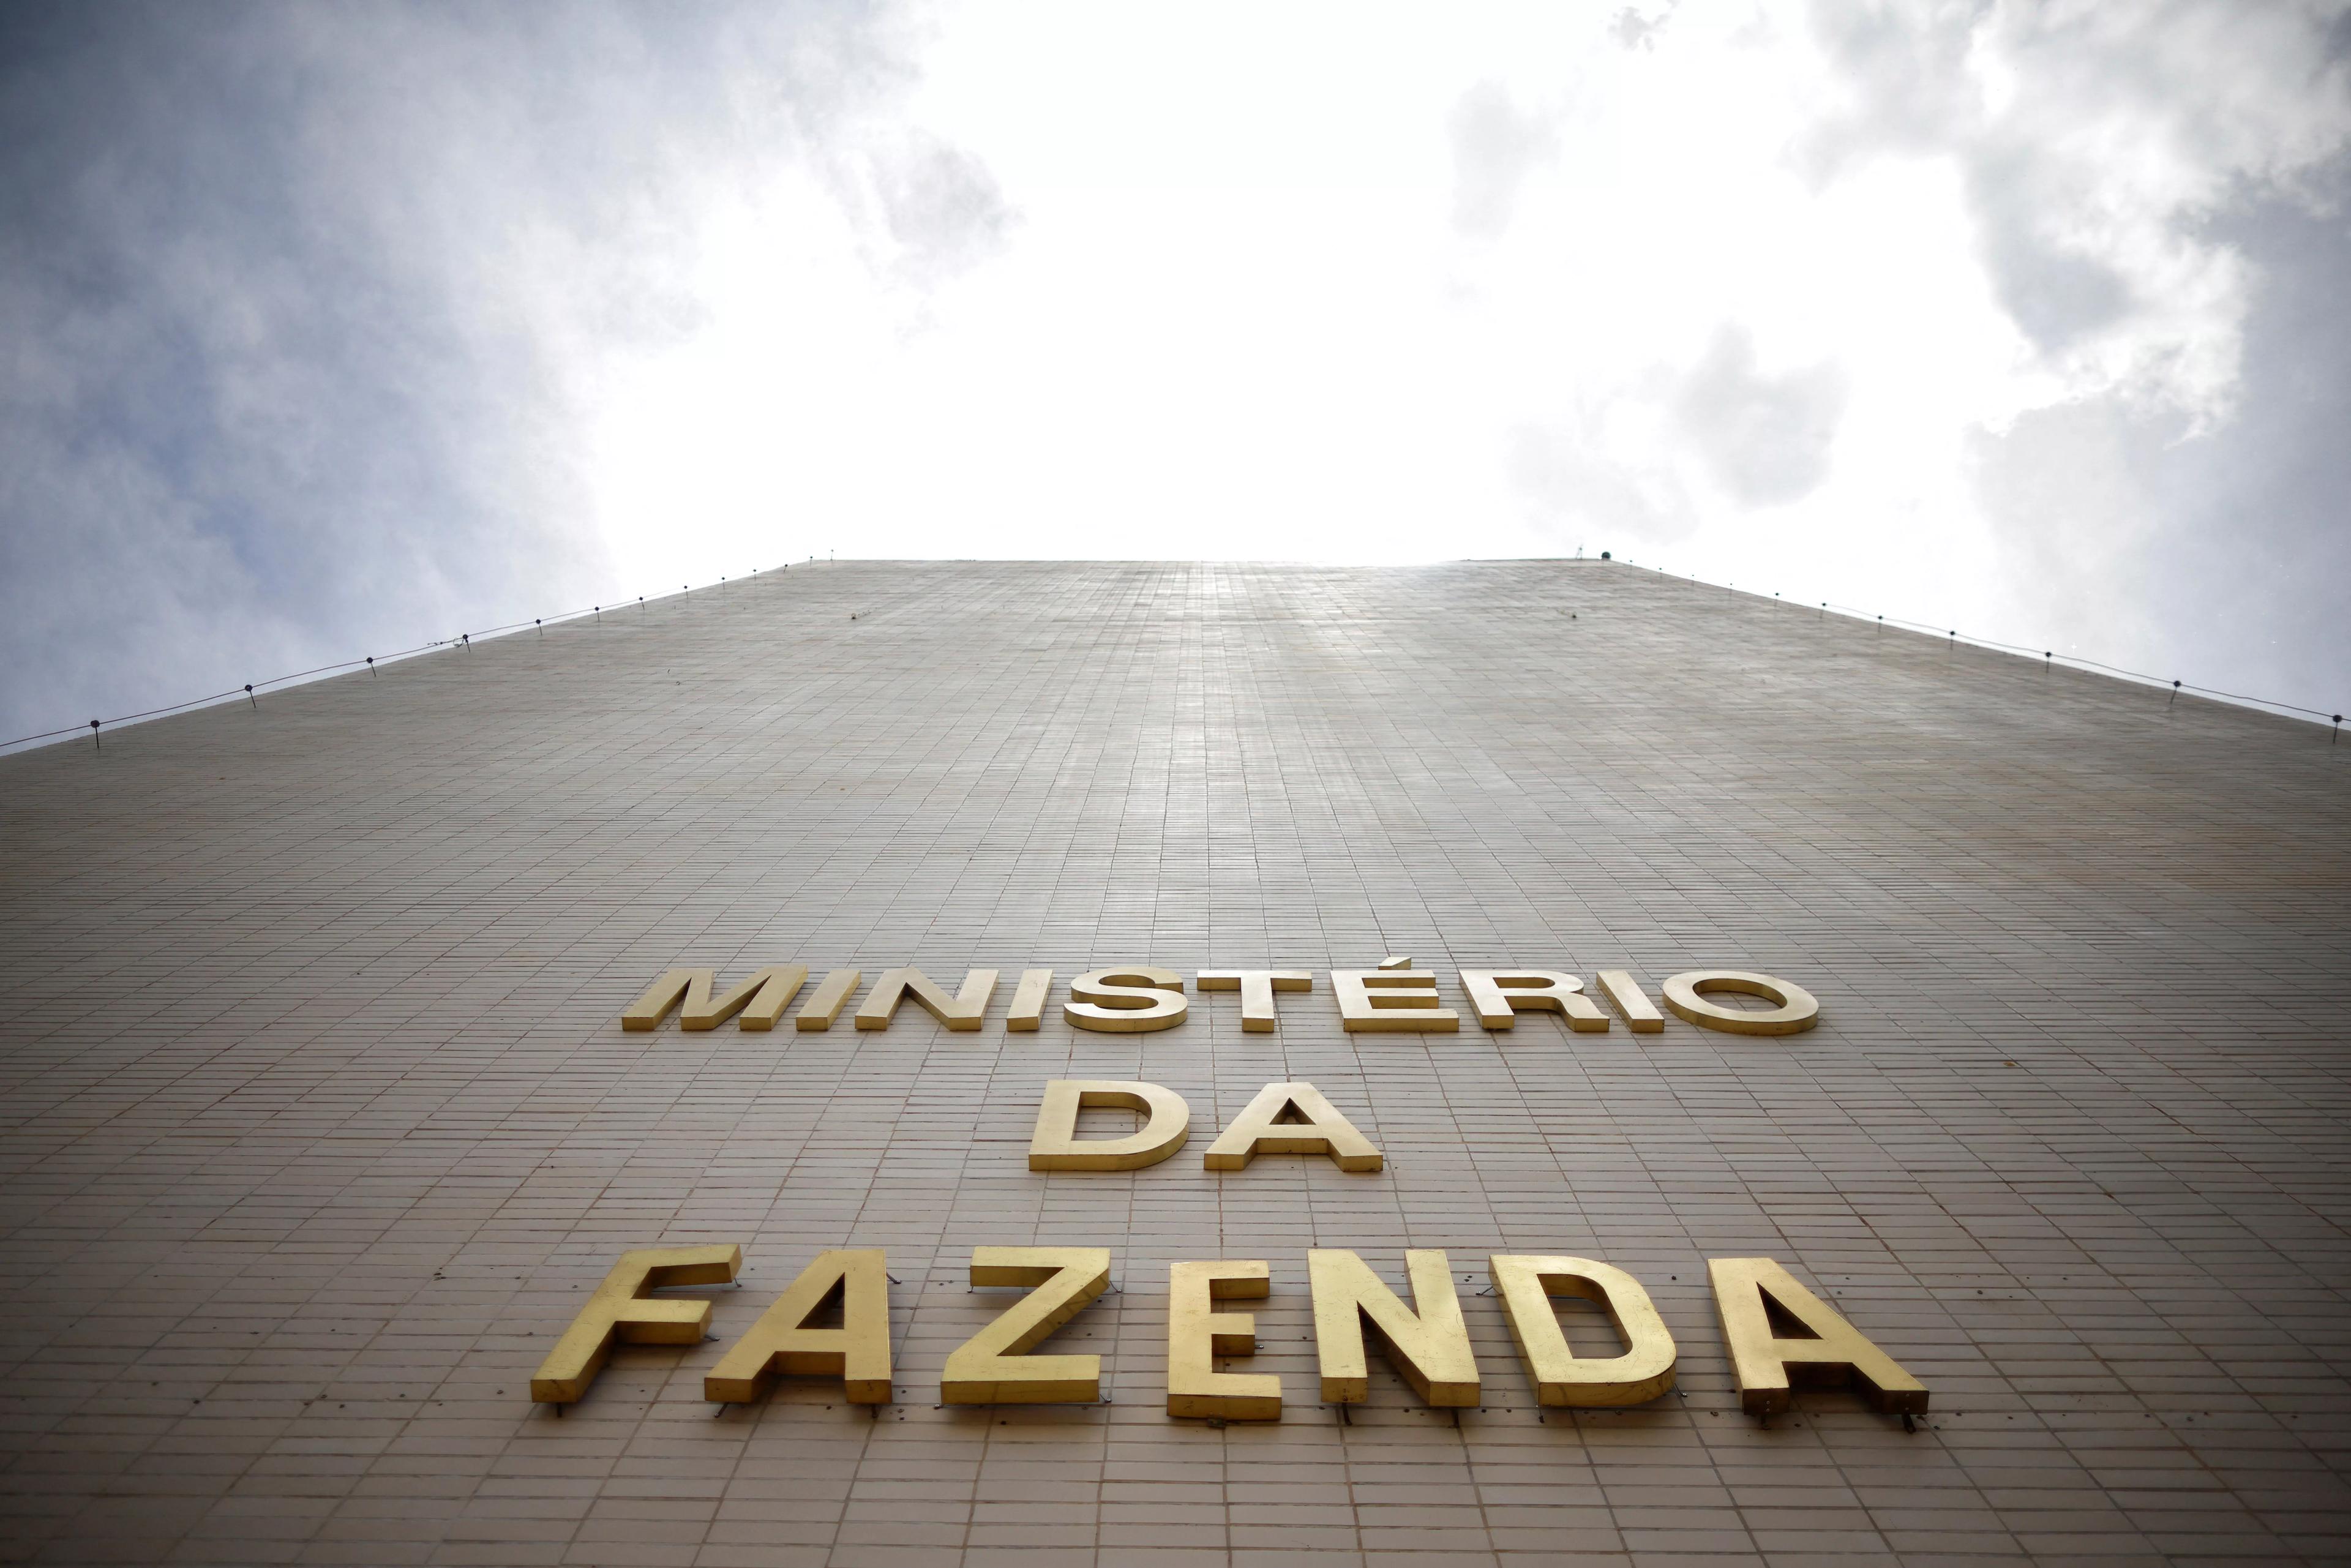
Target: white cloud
x=1805, y=297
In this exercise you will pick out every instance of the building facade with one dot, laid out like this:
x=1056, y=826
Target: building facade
x=322, y=1126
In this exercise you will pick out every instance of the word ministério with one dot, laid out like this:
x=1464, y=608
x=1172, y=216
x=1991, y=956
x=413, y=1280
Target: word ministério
x=1394, y=998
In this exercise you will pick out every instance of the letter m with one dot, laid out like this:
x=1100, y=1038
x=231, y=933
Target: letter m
x=761, y=1000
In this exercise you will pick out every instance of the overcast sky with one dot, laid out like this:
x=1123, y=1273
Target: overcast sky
x=330, y=330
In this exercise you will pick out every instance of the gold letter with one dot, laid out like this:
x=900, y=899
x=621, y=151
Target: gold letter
x=1390, y=1001
x=1498, y=995
x=1747, y=1291
x=1136, y=1001
x=959, y=1012
x=1257, y=987
x=1430, y=1346
x=1624, y=991
x=1792, y=1010
x=1056, y=1146
x=1197, y=1334
x=761, y=1000
x=858, y=1351
x=830, y=998
x=647, y=1011
x=1646, y=1369
x=988, y=1368
x=1029, y=1001
x=621, y=1311
x=1291, y=1119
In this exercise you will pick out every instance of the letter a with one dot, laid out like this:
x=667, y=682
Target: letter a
x=1828, y=1349
x=1291, y=1119
x=858, y=1351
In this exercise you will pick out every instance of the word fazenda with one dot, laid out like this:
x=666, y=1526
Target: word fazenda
x=1777, y=1331
x=1396, y=998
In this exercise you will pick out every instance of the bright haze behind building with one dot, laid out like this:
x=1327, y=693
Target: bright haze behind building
x=333, y=330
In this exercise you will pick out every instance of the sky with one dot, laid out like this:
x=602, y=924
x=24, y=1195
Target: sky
x=334, y=330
